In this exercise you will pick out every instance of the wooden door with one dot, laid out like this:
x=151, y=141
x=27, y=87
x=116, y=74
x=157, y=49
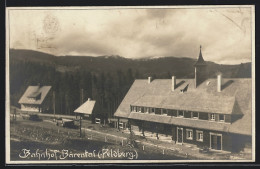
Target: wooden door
x=216, y=142
x=180, y=135
x=213, y=142
x=219, y=143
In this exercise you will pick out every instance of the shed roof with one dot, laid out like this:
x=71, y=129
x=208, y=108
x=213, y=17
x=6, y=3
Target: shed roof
x=33, y=92
x=86, y=108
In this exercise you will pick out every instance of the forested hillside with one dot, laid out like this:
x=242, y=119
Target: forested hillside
x=105, y=79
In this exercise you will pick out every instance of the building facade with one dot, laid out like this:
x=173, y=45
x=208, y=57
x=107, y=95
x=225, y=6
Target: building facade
x=213, y=113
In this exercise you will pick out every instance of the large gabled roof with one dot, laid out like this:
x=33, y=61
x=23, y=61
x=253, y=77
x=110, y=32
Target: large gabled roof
x=204, y=98
x=38, y=92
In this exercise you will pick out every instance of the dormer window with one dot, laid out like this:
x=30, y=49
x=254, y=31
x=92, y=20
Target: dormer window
x=195, y=115
x=185, y=88
x=146, y=109
x=221, y=117
x=164, y=111
x=212, y=117
x=141, y=109
x=180, y=113
x=134, y=109
x=34, y=96
x=31, y=99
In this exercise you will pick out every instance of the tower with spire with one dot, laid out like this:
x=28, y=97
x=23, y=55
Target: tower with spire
x=200, y=70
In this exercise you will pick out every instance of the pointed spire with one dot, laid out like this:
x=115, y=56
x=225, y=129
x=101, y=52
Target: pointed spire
x=200, y=60
x=200, y=56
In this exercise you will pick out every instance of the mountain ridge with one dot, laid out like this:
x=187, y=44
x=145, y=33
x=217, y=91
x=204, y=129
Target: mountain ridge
x=163, y=66
x=108, y=56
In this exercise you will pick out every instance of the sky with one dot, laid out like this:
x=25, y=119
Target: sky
x=223, y=33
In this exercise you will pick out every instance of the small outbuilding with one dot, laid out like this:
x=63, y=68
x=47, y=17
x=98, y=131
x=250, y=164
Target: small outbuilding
x=86, y=109
x=35, y=99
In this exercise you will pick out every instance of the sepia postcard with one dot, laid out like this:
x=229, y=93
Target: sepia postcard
x=142, y=84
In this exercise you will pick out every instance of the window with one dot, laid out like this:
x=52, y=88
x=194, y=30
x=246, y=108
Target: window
x=170, y=112
x=180, y=113
x=212, y=116
x=222, y=117
x=135, y=110
x=195, y=115
x=164, y=111
x=199, y=135
x=121, y=125
x=140, y=109
x=97, y=120
x=189, y=134
x=158, y=111
x=147, y=110
x=152, y=111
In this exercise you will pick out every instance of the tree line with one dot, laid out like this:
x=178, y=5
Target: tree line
x=107, y=83
x=107, y=88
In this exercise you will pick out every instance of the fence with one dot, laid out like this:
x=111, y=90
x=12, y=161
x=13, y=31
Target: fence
x=143, y=146
x=99, y=136
x=60, y=134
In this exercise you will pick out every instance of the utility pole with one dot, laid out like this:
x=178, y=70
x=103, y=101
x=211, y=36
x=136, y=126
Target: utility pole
x=82, y=96
x=80, y=126
x=14, y=115
x=54, y=104
x=81, y=102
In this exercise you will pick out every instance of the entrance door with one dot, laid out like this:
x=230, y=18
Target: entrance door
x=180, y=135
x=216, y=142
x=219, y=142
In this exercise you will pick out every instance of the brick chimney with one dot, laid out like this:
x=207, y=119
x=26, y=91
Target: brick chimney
x=219, y=83
x=173, y=83
x=149, y=79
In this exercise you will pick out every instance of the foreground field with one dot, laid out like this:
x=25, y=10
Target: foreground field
x=45, y=141
x=45, y=137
